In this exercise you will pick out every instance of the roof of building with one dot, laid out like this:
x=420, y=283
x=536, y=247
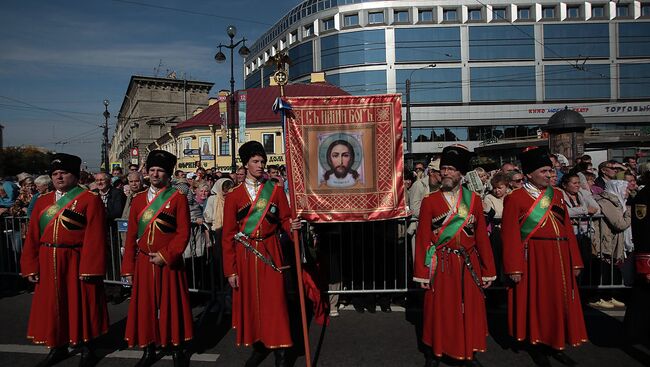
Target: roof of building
x=259, y=102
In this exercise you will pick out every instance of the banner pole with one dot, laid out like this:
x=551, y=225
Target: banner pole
x=296, y=248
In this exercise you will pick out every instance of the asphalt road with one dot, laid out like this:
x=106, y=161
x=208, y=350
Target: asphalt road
x=352, y=339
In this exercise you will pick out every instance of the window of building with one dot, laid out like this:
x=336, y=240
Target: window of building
x=376, y=17
x=432, y=85
x=576, y=41
x=425, y=15
x=308, y=31
x=498, y=13
x=645, y=10
x=302, y=60
x=268, y=141
x=427, y=44
x=634, y=39
x=523, y=13
x=224, y=146
x=360, y=83
x=474, y=14
x=253, y=79
x=350, y=20
x=634, y=80
x=328, y=24
x=565, y=82
x=573, y=12
x=354, y=48
x=401, y=16
x=548, y=12
x=293, y=37
x=598, y=11
x=622, y=10
x=501, y=42
x=504, y=83
x=450, y=15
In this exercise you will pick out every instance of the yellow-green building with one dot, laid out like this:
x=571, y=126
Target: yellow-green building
x=204, y=139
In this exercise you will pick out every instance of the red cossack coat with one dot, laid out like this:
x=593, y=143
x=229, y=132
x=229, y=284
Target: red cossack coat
x=64, y=308
x=544, y=307
x=454, y=317
x=159, y=312
x=259, y=307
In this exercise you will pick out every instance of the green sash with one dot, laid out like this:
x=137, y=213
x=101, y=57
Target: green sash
x=258, y=210
x=151, y=211
x=453, y=224
x=537, y=213
x=55, y=209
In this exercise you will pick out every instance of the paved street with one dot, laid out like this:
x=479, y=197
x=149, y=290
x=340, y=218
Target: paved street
x=352, y=339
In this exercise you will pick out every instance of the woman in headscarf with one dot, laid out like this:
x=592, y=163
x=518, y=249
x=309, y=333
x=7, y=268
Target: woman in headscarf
x=213, y=216
x=609, y=242
x=213, y=212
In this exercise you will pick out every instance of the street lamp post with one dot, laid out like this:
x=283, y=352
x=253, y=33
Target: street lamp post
x=409, y=142
x=105, y=150
x=220, y=58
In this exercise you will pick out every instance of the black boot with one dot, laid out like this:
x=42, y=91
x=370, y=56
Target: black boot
x=539, y=357
x=148, y=356
x=281, y=357
x=88, y=356
x=55, y=356
x=259, y=354
x=430, y=360
x=473, y=362
x=559, y=356
x=179, y=357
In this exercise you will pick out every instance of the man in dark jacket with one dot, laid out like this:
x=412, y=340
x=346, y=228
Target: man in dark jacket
x=114, y=201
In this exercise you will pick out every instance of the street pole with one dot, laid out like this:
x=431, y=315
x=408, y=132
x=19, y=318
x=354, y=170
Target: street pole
x=220, y=57
x=409, y=147
x=409, y=141
x=105, y=150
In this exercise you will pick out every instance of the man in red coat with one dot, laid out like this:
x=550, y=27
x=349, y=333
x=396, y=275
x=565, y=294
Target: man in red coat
x=454, y=263
x=157, y=234
x=254, y=214
x=542, y=259
x=65, y=256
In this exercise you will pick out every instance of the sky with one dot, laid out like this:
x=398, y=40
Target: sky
x=60, y=59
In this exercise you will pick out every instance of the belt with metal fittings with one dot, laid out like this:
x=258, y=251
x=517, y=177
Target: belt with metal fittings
x=550, y=238
x=465, y=255
x=58, y=245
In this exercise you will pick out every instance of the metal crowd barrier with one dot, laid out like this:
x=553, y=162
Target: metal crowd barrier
x=367, y=257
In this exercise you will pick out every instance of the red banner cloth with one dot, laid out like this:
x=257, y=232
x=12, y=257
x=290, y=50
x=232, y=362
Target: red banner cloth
x=345, y=158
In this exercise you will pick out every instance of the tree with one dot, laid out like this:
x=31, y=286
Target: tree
x=14, y=160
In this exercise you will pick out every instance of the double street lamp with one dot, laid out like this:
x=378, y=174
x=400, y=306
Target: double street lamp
x=409, y=142
x=220, y=58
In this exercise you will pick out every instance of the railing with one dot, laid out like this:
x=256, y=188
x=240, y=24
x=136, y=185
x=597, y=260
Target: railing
x=369, y=257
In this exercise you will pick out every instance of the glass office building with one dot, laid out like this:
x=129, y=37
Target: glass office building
x=480, y=71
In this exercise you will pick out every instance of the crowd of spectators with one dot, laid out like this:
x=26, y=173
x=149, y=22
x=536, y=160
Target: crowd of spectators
x=598, y=200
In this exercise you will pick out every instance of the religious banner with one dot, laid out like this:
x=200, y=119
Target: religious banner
x=345, y=157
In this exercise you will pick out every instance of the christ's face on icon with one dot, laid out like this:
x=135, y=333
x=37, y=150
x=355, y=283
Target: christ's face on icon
x=340, y=159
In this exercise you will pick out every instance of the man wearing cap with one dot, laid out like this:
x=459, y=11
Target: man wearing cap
x=542, y=259
x=158, y=232
x=454, y=263
x=420, y=189
x=65, y=256
x=255, y=212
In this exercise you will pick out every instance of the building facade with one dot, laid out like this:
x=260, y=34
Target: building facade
x=151, y=108
x=204, y=139
x=480, y=72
